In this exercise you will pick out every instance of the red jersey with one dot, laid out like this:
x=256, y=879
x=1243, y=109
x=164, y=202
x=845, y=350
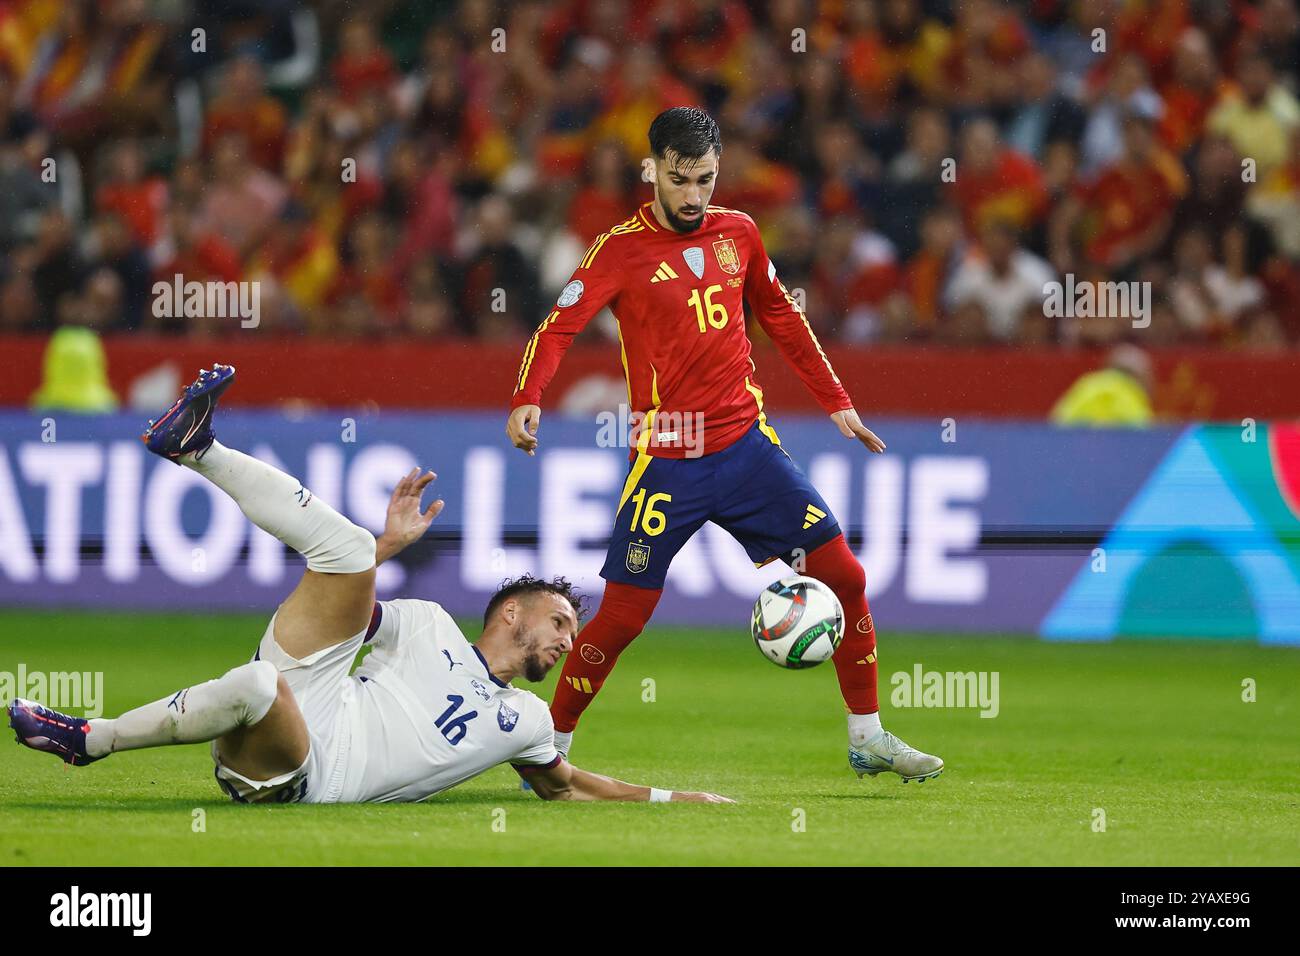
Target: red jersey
x=679, y=301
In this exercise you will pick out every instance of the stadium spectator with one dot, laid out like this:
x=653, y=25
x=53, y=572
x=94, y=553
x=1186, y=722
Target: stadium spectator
x=56, y=266
x=195, y=251
x=129, y=191
x=1191, y=92
x=114, y=248
x=1126, y=92
x=430, y=311
x=760, y=186
x=912, y=183
x=641, y=89
x=1275, y=202
x=1216, y=191
x=336, y=177
x=298, y=261
x=929, y=273
x=23, y=195
x=102, y=301
x=995, y=182
x=1003, y=279
x=1258, y=115
x=1043, y=114
x=419, y=194
x=988, y=41
x=243, y=106
x=499, y=297
x=1278, y=34
x=242, y=201
x=854, y=271
x=918, y=46
x=362, y=65
x=605, y=194
x=367, y=276
x=1127, y=208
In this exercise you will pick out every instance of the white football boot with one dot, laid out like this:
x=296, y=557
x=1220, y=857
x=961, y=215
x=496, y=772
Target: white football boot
x=885, y=753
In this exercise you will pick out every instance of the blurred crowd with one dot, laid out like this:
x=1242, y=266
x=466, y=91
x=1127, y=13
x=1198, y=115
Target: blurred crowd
x=919, y=168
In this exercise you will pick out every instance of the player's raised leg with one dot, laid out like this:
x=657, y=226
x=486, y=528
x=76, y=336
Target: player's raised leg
x=336, y=595
x=335, y=598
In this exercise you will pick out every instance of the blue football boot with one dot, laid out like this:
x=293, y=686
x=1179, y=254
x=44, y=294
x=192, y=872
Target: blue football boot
x=40, y=728
x=187, y=426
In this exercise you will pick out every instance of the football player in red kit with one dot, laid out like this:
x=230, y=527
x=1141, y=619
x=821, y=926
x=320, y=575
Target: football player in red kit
x=676, y=275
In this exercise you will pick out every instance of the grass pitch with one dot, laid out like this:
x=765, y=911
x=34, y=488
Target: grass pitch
x=1154, y=735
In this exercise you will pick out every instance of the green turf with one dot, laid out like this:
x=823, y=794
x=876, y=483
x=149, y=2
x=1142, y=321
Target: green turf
x=1155, y=734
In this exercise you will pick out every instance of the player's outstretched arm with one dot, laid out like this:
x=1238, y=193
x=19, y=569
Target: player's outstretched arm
x=405, y=522
x=564, y=781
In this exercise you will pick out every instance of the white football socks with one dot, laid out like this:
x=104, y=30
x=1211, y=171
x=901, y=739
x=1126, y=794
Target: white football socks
x=239, y=698
x=564, y=741
x=862, y=727
x=280, y=505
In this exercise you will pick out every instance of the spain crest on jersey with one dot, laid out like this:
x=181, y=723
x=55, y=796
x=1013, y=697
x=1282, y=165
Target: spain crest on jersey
x=638, y=557
x=728, y=259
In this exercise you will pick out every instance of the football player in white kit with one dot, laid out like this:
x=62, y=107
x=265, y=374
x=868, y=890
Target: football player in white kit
x=426, y=709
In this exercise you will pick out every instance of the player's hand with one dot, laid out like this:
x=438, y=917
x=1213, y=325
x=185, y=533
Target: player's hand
x=851, y=427
x=521, y=426
x=405, y=522
x=689, y=796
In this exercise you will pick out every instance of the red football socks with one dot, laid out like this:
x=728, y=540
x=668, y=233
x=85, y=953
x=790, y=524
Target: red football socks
x=624, y=612
x=855, y=660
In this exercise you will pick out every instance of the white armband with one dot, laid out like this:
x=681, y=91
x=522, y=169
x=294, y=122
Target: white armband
x=660, y=796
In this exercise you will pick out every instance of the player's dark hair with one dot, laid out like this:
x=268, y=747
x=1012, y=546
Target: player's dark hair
x=687, y=131
x=526, y=586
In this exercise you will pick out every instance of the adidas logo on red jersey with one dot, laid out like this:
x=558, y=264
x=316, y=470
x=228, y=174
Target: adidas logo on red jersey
x=664, y=273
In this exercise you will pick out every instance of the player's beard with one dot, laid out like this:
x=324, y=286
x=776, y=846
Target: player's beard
x=677, y=222
x=535, y=669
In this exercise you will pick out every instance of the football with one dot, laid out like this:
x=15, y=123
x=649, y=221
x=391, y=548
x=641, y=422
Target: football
x=797, y=622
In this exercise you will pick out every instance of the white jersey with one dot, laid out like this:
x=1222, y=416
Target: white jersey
x=424, y=713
